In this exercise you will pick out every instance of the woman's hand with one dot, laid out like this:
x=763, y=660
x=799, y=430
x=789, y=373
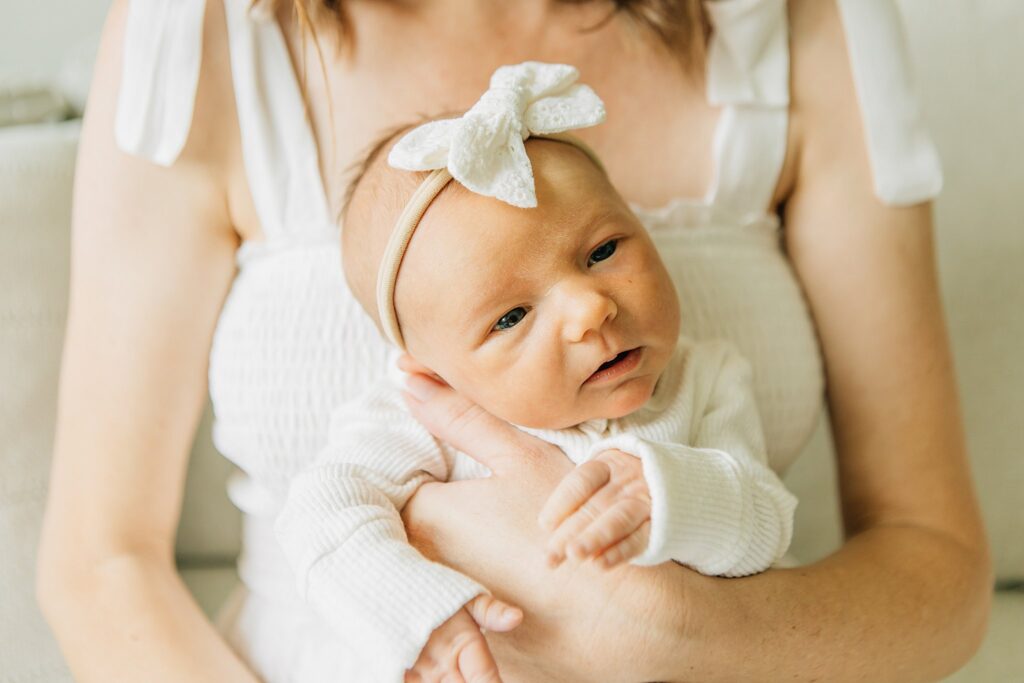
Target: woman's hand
x=581, y=622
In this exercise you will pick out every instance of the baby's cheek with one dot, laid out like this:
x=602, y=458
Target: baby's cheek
x=541, y=405
x=545, y=406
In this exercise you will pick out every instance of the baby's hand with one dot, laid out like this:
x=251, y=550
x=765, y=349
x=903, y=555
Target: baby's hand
x=601, y=510
x=457, y=649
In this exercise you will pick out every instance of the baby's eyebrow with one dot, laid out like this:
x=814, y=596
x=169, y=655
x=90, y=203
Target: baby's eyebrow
x=606, y=216
x=484, y=305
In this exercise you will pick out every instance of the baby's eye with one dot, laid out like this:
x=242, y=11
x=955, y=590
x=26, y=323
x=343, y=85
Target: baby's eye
x=511, y=319
x=602, y=252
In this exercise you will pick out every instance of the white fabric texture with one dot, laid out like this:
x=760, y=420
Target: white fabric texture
x=716, y=505
x=904, y=162
x=163, y=50
x=292, y=343
x=483, y=149
x=748, y=57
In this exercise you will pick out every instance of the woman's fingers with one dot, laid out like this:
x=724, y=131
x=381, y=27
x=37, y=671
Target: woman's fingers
x=476, y=664
x=410, y=365
x=573, y=491
x=468, y=427
x=493, y=614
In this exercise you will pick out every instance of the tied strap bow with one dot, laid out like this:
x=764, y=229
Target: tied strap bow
x=483, y=149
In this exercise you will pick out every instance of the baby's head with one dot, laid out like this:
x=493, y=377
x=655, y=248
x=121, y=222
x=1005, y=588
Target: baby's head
x=520, y=309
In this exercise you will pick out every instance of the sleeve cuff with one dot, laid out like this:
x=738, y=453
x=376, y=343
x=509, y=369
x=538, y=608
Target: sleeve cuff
x=700, y=515
x=387, y=600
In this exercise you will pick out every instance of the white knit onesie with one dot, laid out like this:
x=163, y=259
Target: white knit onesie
x=716, y=506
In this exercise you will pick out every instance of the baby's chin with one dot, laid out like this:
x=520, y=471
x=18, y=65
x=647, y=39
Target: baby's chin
x=619, y=402
x=626, y=399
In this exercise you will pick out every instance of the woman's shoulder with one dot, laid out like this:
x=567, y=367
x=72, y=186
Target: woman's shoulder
x=161, y=117
x=163, y=73
x=189, y=193
x=821, y=81
x=852, y=88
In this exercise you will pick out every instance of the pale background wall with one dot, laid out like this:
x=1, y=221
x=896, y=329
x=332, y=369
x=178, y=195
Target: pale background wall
x=35, y=34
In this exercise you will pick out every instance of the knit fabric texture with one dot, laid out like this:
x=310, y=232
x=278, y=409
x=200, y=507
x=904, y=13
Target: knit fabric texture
x=716, y=505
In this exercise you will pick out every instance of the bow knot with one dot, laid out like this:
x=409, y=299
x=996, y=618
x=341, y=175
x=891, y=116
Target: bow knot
x=496, y=101
x=483, y=149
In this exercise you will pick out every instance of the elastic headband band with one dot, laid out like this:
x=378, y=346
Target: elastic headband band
x=405, y=226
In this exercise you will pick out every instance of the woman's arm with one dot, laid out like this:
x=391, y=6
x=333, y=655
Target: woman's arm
x=907, y=596
x=151, y=262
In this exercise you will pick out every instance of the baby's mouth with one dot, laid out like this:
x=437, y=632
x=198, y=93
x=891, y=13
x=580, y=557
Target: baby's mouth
x=616, y=366
x=613, y=361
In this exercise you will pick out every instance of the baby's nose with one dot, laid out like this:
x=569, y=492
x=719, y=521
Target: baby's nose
x=587, y=310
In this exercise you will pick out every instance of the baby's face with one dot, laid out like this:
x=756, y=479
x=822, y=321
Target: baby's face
x=545, y=317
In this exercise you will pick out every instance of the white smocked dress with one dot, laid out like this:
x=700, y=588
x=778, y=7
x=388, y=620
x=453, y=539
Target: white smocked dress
x=291, y=342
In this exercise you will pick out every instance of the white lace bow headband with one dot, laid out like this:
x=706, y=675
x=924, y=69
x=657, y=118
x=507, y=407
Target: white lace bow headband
x=483, y=149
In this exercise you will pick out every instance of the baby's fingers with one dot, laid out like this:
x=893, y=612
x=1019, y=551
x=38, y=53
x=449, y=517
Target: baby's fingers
x=628, y=548
x=572, y=528
x=615, y=524
x=493, y=614
x=575, y=489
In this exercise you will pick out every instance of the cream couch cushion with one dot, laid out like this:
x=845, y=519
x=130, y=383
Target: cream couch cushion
x=36, y=168
x=36, y=164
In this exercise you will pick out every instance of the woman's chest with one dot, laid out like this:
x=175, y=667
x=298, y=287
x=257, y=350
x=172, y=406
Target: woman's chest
x=657, y=114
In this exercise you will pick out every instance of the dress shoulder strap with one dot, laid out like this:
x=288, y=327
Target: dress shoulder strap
x=162, y=57
x=160, y=72
x=904, y=162
x=748, y=76
x=281, y=156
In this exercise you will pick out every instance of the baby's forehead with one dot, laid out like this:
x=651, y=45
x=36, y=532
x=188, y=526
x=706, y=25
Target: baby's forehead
x=568, y=183
x=482, y=240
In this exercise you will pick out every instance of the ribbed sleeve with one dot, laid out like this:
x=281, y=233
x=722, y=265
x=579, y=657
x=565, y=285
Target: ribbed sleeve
x=716, y=506
x=342, y=533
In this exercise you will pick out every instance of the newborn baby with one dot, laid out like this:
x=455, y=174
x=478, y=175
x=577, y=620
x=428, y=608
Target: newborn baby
x=529, y=287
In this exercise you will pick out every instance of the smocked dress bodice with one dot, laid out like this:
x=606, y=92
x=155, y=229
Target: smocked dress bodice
x=291, y=342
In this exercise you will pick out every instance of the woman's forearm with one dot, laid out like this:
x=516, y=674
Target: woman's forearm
x=895, y=603
x=135, y=620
